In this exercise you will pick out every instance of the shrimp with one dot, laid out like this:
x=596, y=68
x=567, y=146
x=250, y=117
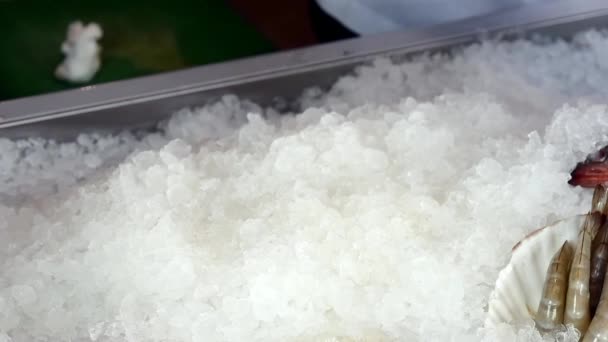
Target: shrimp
x=550, y=313
x=600, y=199
x=598, y=329
x=576, y=311
x=599, y=261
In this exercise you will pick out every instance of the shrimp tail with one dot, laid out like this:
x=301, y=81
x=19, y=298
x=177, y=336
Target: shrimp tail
x=592, y=223
x=550, y=313
x=577, y=311
x=598, y=328
x=599, y=263
x=600, y=199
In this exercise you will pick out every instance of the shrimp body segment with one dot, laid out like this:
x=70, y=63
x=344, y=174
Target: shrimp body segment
x=550, y=313
x=578, y=295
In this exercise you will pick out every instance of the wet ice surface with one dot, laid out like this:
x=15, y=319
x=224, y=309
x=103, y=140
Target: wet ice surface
x=384, y=211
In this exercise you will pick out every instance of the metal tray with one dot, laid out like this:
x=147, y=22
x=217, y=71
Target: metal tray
x=141, y=103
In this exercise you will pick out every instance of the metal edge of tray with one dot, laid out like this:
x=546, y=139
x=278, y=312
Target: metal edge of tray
x=144, y=101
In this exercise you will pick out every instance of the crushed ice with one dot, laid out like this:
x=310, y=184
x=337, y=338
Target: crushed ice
x=384, y=211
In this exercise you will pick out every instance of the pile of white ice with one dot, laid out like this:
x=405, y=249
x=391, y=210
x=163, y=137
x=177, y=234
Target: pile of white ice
x=384, y=211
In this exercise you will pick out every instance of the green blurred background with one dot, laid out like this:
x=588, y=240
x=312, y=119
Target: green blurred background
x=140, y=38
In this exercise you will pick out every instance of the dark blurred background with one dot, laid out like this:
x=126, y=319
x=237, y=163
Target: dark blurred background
x=143, y=37
x=287, y=24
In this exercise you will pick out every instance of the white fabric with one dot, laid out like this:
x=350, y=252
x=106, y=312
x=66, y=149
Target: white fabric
x=374, y=16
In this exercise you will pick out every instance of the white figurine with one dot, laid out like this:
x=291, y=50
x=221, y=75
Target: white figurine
x=81, y=52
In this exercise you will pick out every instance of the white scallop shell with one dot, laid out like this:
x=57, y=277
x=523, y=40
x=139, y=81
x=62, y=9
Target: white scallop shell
x=519, y=285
